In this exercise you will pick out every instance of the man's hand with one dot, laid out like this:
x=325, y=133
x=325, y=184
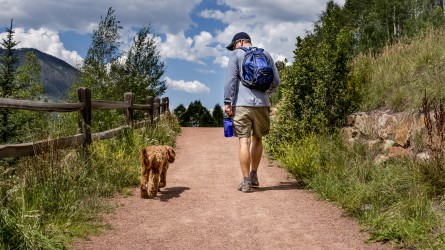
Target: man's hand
x=228, y=109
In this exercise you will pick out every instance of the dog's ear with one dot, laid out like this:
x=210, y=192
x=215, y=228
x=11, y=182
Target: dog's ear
x=171, y=154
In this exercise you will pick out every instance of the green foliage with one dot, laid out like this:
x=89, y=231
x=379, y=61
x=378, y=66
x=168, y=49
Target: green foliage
x=315, y=92
x=108, y=78
x=196, y=115
x=8, y=87
x=142, y=69
x=179, y=112
x=218, y=115
x=21, y=82
x=301, y=158
x=103, y=51
x=47, y=200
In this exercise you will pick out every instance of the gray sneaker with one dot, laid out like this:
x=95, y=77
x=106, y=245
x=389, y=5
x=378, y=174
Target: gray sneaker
x=245, y=187
x=254, y=180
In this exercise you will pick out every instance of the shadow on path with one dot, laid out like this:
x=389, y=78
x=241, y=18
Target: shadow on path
x=281, y=186
x=170, y=193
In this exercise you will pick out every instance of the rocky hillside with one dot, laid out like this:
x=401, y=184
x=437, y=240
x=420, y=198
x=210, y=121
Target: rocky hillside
x=57, y=76
x=392, y=134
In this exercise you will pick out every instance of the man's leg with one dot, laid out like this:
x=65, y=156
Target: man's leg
x=256, y=150
x=244, y=155
x=244, y=159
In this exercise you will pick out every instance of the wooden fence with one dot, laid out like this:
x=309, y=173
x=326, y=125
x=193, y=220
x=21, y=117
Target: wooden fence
x=154, y=107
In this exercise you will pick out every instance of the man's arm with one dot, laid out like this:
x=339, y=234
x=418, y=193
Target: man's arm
x=230, y=85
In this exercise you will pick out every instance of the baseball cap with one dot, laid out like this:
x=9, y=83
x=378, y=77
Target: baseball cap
x=238, y=36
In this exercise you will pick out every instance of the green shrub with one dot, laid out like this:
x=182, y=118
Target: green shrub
x=302, y=158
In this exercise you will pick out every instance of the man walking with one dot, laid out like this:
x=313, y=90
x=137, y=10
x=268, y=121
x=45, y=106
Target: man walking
x=249, y=108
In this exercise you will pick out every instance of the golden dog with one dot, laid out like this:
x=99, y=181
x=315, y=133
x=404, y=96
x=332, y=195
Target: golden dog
x=154, y=166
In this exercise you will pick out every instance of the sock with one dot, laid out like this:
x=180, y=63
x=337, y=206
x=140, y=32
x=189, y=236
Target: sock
x=253, y=173
x=247, y=179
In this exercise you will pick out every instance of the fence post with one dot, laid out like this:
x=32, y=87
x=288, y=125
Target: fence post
x=84, y=96
x=165, y=105
x=84, y=121
x=150, y=101
x=128, y=99
x=158, y=107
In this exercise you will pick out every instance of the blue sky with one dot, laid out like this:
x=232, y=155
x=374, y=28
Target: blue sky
x=193, y=33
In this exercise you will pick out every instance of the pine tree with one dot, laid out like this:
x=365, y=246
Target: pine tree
x=180, y=113
x=218, y=115
x=8, y=87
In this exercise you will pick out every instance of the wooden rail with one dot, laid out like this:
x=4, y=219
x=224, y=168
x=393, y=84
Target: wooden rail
x=84, y=107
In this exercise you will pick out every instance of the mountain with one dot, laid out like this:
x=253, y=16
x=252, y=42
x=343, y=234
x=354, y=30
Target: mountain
x=56, y=75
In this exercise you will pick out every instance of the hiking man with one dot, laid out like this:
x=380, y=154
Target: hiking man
x=248, y=106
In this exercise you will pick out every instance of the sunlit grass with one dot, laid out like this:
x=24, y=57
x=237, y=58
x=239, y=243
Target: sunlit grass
x=396, y=201
x=398, y=77
x=49, y=199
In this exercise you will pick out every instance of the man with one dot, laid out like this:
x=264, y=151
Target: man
x=250, y=111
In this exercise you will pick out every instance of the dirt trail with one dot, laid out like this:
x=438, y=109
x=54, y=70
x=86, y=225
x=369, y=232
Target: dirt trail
x=201, y=209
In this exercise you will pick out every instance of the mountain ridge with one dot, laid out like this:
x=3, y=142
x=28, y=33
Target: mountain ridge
x=56, y=76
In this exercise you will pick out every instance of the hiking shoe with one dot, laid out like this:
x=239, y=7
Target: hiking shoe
x=245, y=187
x=254, y=180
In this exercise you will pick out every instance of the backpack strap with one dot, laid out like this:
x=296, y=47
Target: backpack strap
x=251, y=48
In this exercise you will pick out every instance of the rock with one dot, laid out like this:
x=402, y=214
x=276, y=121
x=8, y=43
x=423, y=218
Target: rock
x=424, y=156
x=363, y=123
x=349, y=132
x=381, y=158
x=373, y=143
x=399, y=152
x=386, y=126
x=403, y=130
x=350, y=120
x=387, y=145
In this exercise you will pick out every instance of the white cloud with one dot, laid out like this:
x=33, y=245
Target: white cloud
x=46, y=41
x=178, y=46
x=192, y=49
x=271, y=25
x=190, y=87
x=206, y=71
x=82, y=16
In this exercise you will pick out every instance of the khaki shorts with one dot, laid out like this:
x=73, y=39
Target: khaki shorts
x=251, y=121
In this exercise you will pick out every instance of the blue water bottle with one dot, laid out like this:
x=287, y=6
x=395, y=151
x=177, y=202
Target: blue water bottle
x=228, y=127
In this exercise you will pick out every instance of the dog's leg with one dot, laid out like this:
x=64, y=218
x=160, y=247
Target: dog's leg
x=154, y=176
x=144, y=181
x=163, y=181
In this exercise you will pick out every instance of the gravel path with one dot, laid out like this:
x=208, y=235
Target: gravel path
x=201, y=209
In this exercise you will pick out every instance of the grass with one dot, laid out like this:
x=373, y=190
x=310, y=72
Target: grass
x=395, y=201
x=46, y=201
x=397, y=78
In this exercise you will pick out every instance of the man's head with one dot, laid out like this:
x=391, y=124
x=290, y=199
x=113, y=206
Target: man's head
x=238, y=39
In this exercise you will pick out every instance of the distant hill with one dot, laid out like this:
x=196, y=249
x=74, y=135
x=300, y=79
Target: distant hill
x=56, y=75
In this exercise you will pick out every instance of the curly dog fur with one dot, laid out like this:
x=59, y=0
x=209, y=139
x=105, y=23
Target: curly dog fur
x=154, y=166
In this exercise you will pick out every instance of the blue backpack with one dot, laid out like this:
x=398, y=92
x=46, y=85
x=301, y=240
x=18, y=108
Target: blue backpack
x=257, y=71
